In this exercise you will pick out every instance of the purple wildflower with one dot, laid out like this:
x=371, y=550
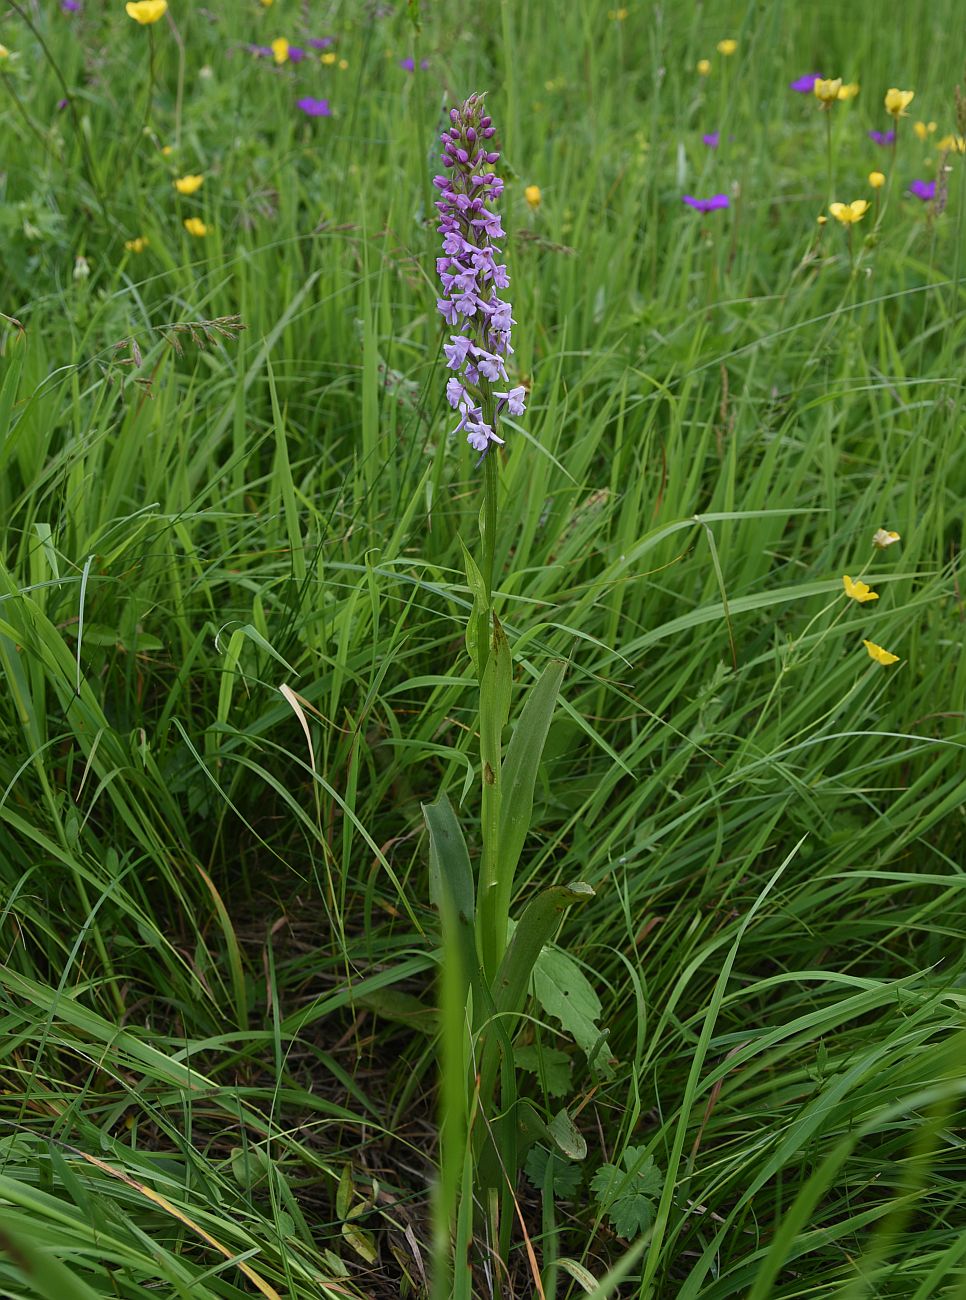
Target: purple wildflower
x=62, y=103
x=262, y=51
x=925, y=190
x=409, y=65
x=319, y=42
x=314, y=107
x=805, y=85
x=882, y=137
x=471, y=275
x=295, y=54
x=712, y=139
x=70, y=6
x=707, y=205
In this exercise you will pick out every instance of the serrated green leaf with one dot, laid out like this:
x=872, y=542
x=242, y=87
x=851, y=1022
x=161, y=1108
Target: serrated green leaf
x=631, y=1215
x=646, y=1175
x=549, y=1064
x=565, y=1176
x=627, y=1196
x=564, y=992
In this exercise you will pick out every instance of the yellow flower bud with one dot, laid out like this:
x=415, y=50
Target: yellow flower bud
x=195, y=226
x=877, y=180
x=704, y=67
x=727, y=47
x=189, y=184
x=826, y=90
x=533, y=196
x=280, y=50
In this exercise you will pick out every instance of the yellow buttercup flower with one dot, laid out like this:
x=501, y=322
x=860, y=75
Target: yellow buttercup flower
x=704, y=67
x=343, y=64
x=727, y=47
x=924, y=129
x=883, y=538
x=327, y=58
x=877, y=180
x=195, y=226
x=533, y=196
x=826, y=90
x=952, y=144
x=860, y=591
x=849, y=213
x=146, y=11
x=849, y=90
x=821, y=220
x=280, y=50
x=897, y=101
x=879, y=655
x=137, y=245
x=189, y=184
x=167, y=150
x=4, y=53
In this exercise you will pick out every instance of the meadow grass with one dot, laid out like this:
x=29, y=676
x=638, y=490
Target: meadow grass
x=225, y=469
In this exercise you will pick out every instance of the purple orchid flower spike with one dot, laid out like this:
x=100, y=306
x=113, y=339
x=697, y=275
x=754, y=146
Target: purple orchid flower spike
x=471, y=276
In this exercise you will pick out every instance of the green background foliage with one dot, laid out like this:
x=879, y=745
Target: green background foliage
x=224, y=468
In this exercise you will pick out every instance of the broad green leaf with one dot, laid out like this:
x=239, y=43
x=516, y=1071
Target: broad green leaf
x=549, y=1064
x=361, y=1241
x=520, y=773
x=564, y=992
x=567, y=1136
x=538, y=922
x=449, y=861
